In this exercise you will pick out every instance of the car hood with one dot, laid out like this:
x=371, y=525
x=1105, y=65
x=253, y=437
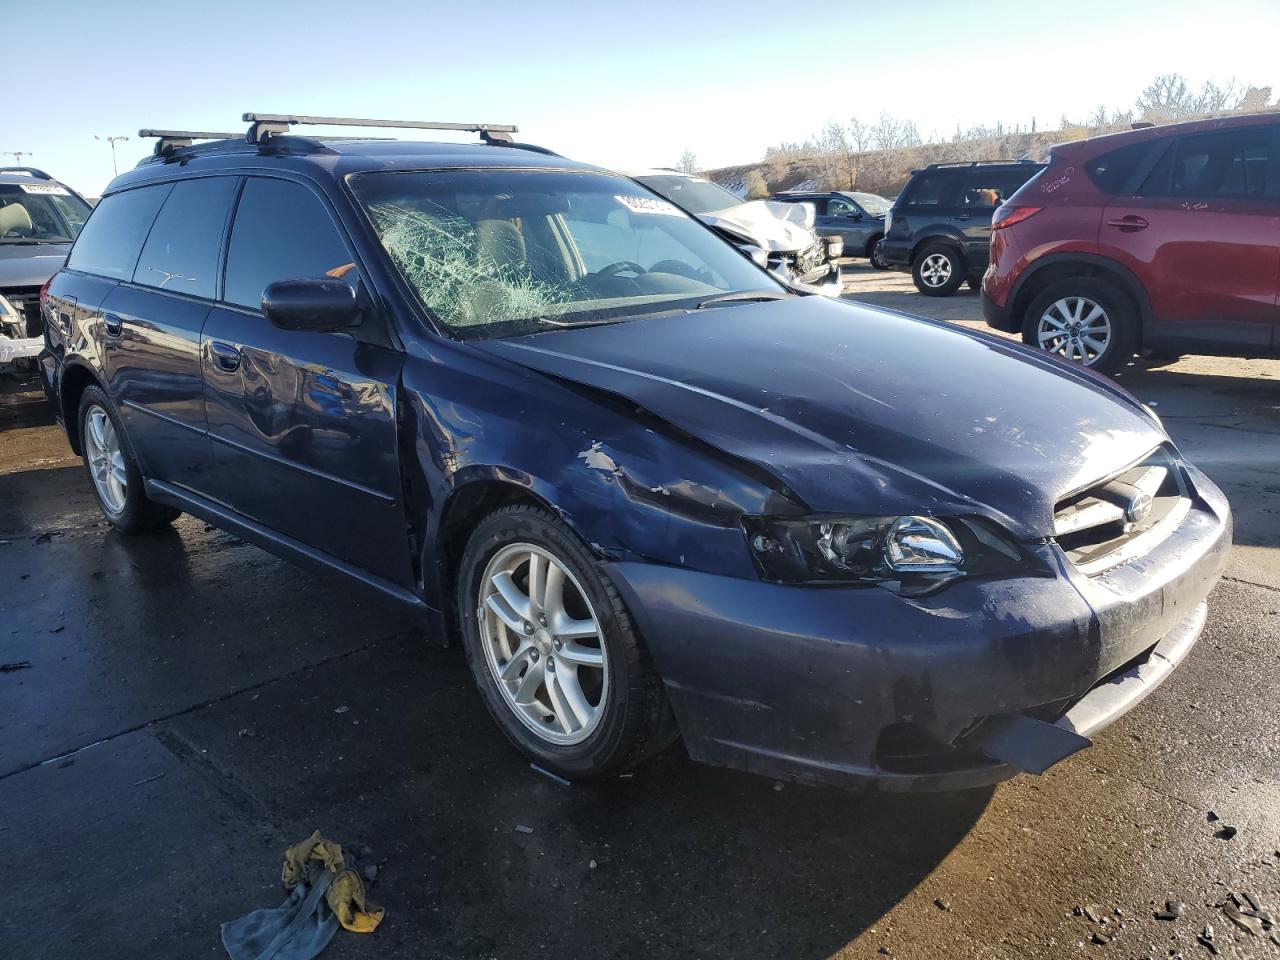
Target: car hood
x=860, y=410
x=23, y=265
x=775, y=227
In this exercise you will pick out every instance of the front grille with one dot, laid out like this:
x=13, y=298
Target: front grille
x=1123, y=517
x=810, y=259
x=26, y=300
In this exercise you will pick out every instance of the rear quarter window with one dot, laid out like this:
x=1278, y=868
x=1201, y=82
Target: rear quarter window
x=932, y=188
x=114, y=234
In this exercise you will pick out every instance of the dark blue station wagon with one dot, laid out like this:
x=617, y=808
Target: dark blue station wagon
x=654, y=492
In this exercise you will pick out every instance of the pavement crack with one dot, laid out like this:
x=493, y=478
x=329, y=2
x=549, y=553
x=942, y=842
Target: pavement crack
x=1252, y=583
x=193, y=708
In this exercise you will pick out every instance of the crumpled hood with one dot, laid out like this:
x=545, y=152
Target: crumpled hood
x=775, y=227
x=860, y=410
x=30, y=265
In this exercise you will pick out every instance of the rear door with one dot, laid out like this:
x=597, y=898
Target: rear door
x=1202, y=234
x=984, y=188
x=151, y=326
x=303, y=424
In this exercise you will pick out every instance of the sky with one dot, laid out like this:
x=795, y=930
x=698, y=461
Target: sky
x=621, y=85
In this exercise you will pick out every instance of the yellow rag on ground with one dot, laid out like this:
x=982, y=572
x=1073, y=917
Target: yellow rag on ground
x=345, y=895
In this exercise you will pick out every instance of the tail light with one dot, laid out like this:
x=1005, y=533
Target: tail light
x=44, y=294
x=1007, y=216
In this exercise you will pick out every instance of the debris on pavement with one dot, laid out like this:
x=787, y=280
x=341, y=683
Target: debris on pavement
x=1227, y=832
x=148, y=779
x=342, y=709
x=521, y=828
x=942, y=905
x=551, y=776
x=248, y=732
x=1173, y=909
x=1206, y=938
x=15, y=666
x=592, y=865
x=324, y=894
x=1212, y=817
x=1096, y=913
x=1251, y=925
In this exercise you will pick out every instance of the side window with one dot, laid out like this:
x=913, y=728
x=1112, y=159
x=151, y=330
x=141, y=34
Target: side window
x=1230, y=163
x=113, y=236
x=282, y=232
x=840, y=208
x=1113, y=171
x=990, y=188
x=181, y=253
x=930, y=189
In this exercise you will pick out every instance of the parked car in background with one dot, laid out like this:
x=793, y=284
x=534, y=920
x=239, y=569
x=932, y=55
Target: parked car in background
x=939, y=227
x=1164, y=239
x=856, y=218
x=651, y=489
x=39, y=219
x=782, y=233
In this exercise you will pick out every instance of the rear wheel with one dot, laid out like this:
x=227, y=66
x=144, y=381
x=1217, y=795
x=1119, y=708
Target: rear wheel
x=553, y=650
x=938, y=270
x=1085, y=320
x=113, y=471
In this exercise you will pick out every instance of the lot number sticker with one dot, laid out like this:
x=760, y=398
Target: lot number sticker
x=44, y=188
x=649, y=205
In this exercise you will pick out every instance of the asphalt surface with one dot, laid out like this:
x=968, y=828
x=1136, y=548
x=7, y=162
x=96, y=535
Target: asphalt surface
x=192, y=706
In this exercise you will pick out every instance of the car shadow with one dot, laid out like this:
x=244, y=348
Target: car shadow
x=487, y=857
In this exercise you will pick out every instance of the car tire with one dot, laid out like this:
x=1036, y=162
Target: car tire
x=619, y=706
x=938, y=270
x=875, y=255
x=1064, y=320
x=113, y=470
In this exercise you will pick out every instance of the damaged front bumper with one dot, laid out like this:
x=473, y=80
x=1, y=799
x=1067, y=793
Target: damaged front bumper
x=959, y=689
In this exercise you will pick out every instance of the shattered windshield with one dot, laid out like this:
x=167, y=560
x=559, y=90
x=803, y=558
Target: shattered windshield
x=696, y=196
x=40, y=212
x=504, y=252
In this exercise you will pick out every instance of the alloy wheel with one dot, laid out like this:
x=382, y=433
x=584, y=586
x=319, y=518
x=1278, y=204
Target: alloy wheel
x=106, y=460
x=936, y=270
x=1076, y=328
x=543, y=643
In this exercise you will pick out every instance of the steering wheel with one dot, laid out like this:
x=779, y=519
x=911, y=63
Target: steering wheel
x=621, y=266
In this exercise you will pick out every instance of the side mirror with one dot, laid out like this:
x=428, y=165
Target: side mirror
x=319, y=305
x=855, y=215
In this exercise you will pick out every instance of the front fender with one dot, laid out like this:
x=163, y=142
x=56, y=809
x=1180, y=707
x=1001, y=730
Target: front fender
x=631, y=486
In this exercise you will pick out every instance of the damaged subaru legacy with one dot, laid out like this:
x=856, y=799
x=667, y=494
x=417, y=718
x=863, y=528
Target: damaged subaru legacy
x=655, y=493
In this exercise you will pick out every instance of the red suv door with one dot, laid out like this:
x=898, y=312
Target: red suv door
x=1203, y=237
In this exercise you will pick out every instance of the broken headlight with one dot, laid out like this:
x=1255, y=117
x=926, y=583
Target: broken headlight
x=912, y=554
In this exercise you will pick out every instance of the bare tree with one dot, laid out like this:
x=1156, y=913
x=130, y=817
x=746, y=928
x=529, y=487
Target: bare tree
x=688, y=162
x=892, y=133
x=1255, y=99
x=757, y=189
x=838, y=157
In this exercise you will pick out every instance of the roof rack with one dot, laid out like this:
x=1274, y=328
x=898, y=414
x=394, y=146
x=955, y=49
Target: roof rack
x=29, y=171
x=264, y=125
x=977, y=163
x=172, y=139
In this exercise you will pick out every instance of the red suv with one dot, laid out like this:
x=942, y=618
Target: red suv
x=1163, y=239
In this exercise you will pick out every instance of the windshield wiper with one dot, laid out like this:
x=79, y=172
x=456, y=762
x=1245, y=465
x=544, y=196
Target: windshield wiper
x=744, y=296
x=27, y=242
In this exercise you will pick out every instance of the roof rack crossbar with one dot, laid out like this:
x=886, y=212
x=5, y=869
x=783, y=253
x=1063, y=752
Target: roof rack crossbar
x=274, y=124
x=171, y=139
x=29, y=171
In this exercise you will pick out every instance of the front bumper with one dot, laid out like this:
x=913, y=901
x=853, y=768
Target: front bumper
x=824, y=280
x=866, y=688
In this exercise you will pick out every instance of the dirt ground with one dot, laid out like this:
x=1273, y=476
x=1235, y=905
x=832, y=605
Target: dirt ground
x=193, y=705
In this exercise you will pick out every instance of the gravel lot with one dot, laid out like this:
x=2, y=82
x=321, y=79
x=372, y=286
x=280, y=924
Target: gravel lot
x=182, y=721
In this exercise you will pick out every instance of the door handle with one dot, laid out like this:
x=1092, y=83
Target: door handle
x=114, y=324
x=1129, y=224
x=225, y=356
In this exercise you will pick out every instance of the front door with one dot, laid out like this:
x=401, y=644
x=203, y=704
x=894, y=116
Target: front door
x=841, y=217
x=1203, y=236
x=303, y=424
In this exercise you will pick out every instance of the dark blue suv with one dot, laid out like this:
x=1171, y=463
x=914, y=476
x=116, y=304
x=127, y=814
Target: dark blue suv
x=652, y=491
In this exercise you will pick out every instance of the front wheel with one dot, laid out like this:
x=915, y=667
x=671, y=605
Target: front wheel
x=553, y=650
x=938, y=270
x=113, y=471
x=1086, y=320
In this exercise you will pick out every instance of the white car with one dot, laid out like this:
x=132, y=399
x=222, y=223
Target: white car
x=779, y=235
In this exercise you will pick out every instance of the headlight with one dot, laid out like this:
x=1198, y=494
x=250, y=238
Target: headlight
x=912, y=554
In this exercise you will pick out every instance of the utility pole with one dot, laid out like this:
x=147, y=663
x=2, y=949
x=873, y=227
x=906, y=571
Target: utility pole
x=115, y=171
x=17, y=155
